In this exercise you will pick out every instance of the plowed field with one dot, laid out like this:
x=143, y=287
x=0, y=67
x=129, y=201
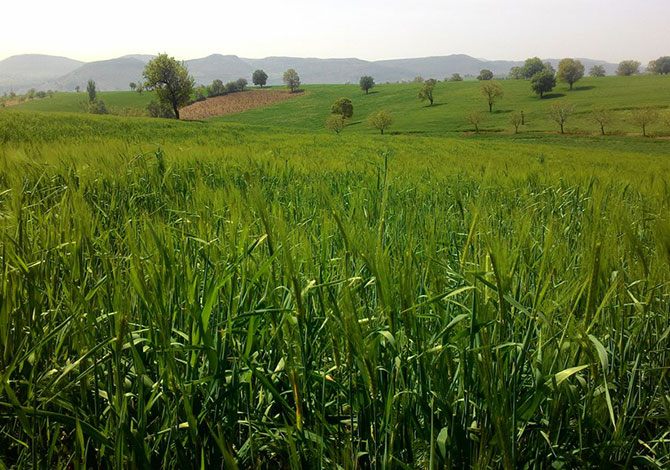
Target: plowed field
x=234, y=103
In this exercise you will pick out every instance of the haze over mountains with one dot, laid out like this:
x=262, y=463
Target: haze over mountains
x=21, y=72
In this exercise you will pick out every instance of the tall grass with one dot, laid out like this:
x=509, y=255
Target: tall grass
x=320, y=304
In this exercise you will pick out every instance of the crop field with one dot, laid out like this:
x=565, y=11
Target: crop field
x=235, y=103
x=251, y=292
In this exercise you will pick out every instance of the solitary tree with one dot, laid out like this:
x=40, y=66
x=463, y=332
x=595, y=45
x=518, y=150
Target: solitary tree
x=492, y=92
x=559, y=113
x=132, y=86
x=532, y=66
x=417, y=79
x=660, y=66
x=485, y=74
x=170, y=79
x=77, y=88
x=90, y=89
x=603, y=117
x=291, y=80
x=380, y=120
x=570, y=70
x=456, y=77
x=628, y=67
x=597, y=71
x=259, y=78
x=643, y=117
x=426, y=91
x=543, y=82
x=140, y=88
x=475, y=118
x=367, y=82
x=516, y=120
x=335, y=123
x=343, y=107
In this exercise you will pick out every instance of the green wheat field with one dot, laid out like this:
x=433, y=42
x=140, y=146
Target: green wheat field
x=252, y=292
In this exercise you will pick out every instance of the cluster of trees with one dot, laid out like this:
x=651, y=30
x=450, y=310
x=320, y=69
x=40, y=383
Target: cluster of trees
x=217, y=88
x=660, y=66
x=12, y=97
x=343, y=109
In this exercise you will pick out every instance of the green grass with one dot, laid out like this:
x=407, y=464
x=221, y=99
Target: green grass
x=214, y=295
x=72, y=102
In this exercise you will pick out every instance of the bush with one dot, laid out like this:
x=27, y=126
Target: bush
x=160, y=110
x=215, y=89
x=97, y=107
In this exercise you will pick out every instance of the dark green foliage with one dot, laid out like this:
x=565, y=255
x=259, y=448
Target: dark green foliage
x=456, y=77
x=485, y=74
x=291, y=80
x=217, y=88
x=90, y=89
x=660, y=66
x=366, y=83
x=543, y=82
x=516, y=73
x=532, y=66
x=628, y=67
x=570, y=71
x=161, y=110
x=597, y=71
x=259, y=78
x=343, y=107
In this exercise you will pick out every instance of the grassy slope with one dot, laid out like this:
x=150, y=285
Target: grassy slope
x=453, y=100
x=72, y=102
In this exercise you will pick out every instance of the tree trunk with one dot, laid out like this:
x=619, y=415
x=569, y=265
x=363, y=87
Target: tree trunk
x=431, y=101
x=562, y=129
x=490, y=107
x=570, y=85
x=367, y=90
x=602, y=129
x=644, y=130
x=176, y=110
x=382, y=131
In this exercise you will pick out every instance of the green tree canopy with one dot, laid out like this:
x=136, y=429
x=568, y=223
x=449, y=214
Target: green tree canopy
x=660, y=66
x=597, y=71
x=570, y=71
x=367, y=82
x=628, y=67
x=291, y=80
x=90, y=89
x=532, y=66
x=343, y=107
x=170, y=79
x=543, y=82
x=426, y=91
x=456, y=77
x=492, y=92
x=259, y=78
x=380, y=120
x=485, y=74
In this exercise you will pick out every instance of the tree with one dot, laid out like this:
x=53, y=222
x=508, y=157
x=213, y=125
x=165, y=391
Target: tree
x=380, y=120
x=132, y=86
x=77, y=88
x=660, y=66
x=90, y=89
x=516, y=120
x=170, y=79
x=426, y=91
x=485, y=74
x=367, y=82
x=335, y=123
x=343, y=107
x=417, y=79
x=559, y=113
x=241, y=84
x=543, y=82
x=292, y=80
x=456, y=77
x=259, y=78
x=643, y=117
x=516, y=73
x=628, y=67
x=140, y=88
x=492, y=92
x=597, y=71
x=216, y=88
x=31, y=94
x=570, y=71
x=531, y=67
x=603, y=117
x=475, y=118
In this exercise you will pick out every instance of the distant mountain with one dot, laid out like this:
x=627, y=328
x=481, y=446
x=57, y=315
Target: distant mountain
x=109, y=75
x=18, y=73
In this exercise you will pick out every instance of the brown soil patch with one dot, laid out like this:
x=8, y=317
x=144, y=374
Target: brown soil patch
x=235, y=103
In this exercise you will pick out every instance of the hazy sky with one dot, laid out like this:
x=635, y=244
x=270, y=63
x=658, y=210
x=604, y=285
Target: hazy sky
x=495, y=29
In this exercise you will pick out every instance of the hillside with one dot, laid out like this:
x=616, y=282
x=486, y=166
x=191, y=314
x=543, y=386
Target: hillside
x=115, y=74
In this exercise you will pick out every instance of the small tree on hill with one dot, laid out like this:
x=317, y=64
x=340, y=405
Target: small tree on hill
x=516, y=73
x=426, y=91
x=516, y=120
x=132, y=86
x=90, y=89
x=417, y=79
x=485, y=74
x=543, y=82
x=367, y=82
x=259, y=78
x=380, y=120
x=597, y=71
x=335, y=123
x=628, y=67
x=643, y=117
x=140, y=88
x=77, y=88
x=475, y=118
x=343, y=107
x=456, y=77
x=217, y=88
x=291, y=80
x=603, y=117
x=492, y=92
x=559, y=113
x=241, y=84
x=171, y=80
x=532, y=66
x=570, y=71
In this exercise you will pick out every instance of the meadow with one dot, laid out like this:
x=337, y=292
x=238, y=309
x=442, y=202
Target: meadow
x=252, y=292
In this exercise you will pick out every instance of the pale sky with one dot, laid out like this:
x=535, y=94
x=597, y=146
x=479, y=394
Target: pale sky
x=611, y=30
